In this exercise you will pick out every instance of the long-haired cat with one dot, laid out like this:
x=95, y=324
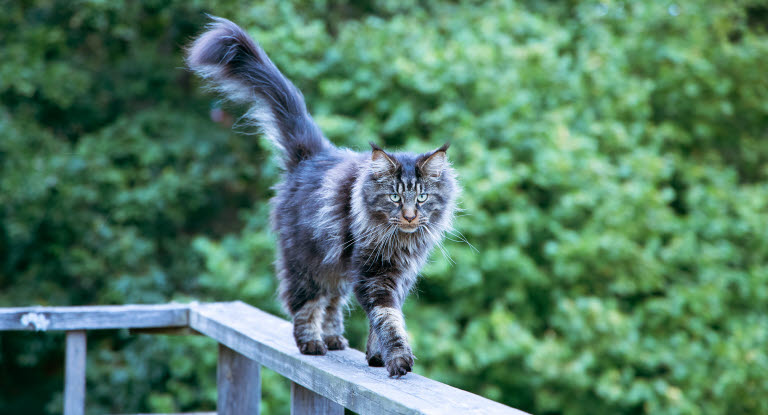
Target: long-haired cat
x=345, y=221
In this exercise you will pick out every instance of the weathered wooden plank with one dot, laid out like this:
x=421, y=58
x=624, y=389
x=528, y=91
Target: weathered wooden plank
x=185, y=413
x=168, y=331
x=306, y=402
x=74, y=375
x=94, y=317
x=342, y=376
x=239, y=384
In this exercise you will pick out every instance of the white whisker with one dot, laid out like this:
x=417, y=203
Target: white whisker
x=440, y=245
x=380, y=244
x=362, y=236
x=461, y=236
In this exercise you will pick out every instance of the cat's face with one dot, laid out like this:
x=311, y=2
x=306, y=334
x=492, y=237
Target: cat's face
x=410, y=192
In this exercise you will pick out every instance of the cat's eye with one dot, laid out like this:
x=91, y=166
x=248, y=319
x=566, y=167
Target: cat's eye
x=422, y=198
x=394, y=197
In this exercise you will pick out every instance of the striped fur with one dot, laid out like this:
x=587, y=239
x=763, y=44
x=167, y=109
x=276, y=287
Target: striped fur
x=346, y=221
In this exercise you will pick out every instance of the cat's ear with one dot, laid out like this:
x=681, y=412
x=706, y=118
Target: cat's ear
x=433, y=164
x=381, y=162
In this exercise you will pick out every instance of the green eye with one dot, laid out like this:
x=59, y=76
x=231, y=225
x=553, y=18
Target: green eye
x=422, y=198
x=394, y=197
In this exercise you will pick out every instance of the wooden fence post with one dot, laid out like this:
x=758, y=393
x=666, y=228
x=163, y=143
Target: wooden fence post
x=306, y=402
x=74, y=375
x=239, y=384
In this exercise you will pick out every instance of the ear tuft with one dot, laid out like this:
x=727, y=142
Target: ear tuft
x=433, y=164
x=381, y=162
x=375, y=147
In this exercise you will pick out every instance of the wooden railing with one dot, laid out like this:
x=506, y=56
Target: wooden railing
x=248, y=339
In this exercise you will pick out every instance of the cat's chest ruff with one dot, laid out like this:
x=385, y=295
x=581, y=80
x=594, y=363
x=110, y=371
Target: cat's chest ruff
x=404, y=251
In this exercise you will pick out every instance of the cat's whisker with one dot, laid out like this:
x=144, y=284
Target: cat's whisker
x=445, y=253
x=377, y=251
x=378, y=248
x=440, y=246
x=362, y=236
x=380, y=244
x=386, y=245
x=458, y=234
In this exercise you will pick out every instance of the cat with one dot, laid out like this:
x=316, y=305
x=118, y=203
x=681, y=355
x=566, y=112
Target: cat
x=345, y=221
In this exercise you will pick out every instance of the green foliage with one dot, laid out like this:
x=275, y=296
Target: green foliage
x=612, y=153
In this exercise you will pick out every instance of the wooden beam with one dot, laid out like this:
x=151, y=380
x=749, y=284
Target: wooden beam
x=168, y=331
x=94, y=317
x=185, y=413
x=306, y=402
x=341, y=376
x=74, y=375
x=239, y=384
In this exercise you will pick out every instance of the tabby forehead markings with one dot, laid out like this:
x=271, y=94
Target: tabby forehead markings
x=335, y=235
x=403, y=186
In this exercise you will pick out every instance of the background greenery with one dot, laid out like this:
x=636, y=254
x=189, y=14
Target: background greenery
x=612, y=153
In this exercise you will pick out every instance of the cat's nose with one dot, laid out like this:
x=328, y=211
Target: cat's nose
x=409, y=218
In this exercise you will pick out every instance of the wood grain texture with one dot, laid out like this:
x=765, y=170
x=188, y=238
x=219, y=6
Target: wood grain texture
x=74, y=375
x=94, y=317
x=342, y=376
x=239, y=384
x=185, y=413
x=306, y=402
x=165, y=331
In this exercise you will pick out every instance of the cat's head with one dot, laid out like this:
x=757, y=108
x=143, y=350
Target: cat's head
x=410, y=191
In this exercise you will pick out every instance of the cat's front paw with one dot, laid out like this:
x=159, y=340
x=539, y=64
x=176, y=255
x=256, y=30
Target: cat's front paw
x=399, y=364
x=336, y=342
x=313, y=347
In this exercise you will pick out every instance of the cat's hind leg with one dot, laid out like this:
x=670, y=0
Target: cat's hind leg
x=333, y=324
x=307, y=326
x=372, y=350
x=307, y=306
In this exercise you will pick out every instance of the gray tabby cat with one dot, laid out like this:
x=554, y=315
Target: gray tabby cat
x=345, y=221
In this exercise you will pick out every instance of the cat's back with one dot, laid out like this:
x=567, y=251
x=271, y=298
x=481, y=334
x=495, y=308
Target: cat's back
x=316, y=178
x=311, y=207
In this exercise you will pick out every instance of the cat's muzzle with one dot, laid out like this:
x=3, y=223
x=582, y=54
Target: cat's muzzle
x=408, y=220
x=408, y=227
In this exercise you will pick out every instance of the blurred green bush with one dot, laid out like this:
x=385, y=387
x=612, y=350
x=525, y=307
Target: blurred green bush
x=613, y=155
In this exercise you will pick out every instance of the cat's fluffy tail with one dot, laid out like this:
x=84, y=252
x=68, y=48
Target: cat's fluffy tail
x=236, y=66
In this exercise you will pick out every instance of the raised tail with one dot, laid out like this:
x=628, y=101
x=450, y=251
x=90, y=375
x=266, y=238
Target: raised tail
x=236, y=66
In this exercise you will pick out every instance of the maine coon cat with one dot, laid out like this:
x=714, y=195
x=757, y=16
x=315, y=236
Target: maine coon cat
x=345, y=221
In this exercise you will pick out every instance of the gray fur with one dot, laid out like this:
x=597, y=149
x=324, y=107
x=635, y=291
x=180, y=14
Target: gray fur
x=339, y=229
